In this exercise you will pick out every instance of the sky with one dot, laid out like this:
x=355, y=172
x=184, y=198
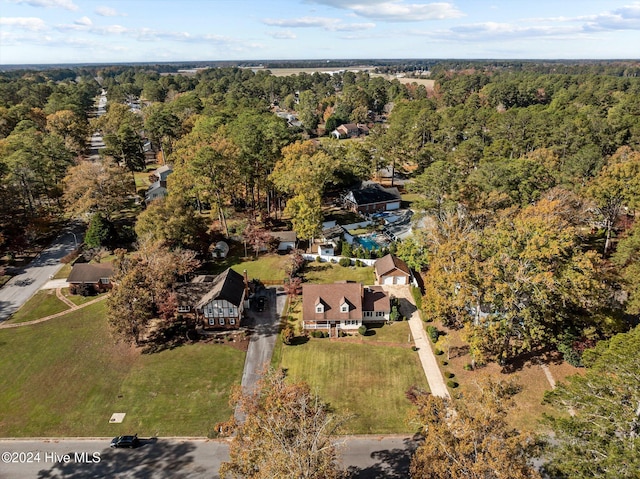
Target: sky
x=98, y=31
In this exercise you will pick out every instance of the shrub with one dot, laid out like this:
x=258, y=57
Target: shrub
x=570, y=355
x=438, y=352
x=288, y=334
x=449, y=375
x=344, y=262
x=444, y=362
x=468, y=367
x=452, y=384
x=362, y=330
x=395, y=315
x=417, y=296
x=359, y=263
x=318, y=259
x=433, y=333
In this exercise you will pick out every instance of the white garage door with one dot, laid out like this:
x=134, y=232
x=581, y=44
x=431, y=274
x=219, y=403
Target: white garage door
x=388, y=280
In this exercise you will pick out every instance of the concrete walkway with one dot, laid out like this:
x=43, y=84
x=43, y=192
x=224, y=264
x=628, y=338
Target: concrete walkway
x=428, y=360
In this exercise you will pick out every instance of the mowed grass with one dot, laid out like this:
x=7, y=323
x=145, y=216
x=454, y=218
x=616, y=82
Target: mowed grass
x=43, y=303
x=330, y=273
x=66, y=376
x=267, y=267
x=361, y=379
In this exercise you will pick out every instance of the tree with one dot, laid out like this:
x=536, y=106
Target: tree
x=472, y=439
x=601, y=436
x=617, y=184
x=257, y=237
x=101, y=232
x=305, y=211
x=286, y=431
x=627, y=258
x=173, y=221
x=96, y=187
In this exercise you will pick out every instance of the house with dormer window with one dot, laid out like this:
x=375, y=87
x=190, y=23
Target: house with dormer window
x=343, y=306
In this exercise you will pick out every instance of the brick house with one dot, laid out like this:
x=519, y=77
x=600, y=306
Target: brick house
x=96, y=276
x=372, y=198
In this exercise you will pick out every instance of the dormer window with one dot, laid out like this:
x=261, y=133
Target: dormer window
x=344, y=306
x=319, y=308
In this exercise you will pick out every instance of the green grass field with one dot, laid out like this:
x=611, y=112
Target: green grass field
x=43, y=303
x=330, y=273
x=66, y=376
x=362, y=379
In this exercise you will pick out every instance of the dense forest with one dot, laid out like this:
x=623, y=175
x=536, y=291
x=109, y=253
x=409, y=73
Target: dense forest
x=525, y=179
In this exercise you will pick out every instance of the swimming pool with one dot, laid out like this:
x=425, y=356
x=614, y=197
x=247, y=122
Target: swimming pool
x=369, y=242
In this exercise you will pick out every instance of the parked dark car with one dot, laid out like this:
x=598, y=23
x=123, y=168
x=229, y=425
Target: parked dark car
x=260, y=303
x=125, y=441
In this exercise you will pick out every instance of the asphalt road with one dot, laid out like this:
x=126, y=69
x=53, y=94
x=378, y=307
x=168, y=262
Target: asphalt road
x=367, y=457
x=21, y=287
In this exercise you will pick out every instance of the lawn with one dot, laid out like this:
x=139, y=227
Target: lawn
x=267, y=267
x=65, y=377
x=78, y=299
x=362, y=379
x=330, y=273
x=530, y=376
x=41, y=304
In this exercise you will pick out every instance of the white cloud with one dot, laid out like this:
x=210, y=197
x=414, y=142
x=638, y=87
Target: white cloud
x=283, y=35
x=624, y=18
x=23, y=23
x=330, y=24
x=84, y=21
x=109, y=12
x=66, y=4
x=396, y=10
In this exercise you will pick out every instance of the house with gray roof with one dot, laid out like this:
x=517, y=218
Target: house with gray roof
x=90, y=278
x=372, y=198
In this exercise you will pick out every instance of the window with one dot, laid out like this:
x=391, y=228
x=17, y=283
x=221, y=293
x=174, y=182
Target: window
x=367, y=314
x=183, y=309
x=232, y=321
x=221, y=321
x=344, y=308
x=104, y=280
x=212, y=322
x=320, y=308
x=379, y=313
x=231, y=311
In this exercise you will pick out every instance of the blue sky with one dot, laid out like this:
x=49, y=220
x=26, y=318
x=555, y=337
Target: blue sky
x=76, y=31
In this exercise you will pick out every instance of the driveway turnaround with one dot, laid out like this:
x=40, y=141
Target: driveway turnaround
x=428, y=360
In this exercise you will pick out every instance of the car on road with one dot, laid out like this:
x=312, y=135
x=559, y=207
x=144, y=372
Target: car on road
x=125, y=441
x=260, y=303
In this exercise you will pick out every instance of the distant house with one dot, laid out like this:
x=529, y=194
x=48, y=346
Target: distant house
x=286, y=240
x=392, y=270
x=214, y=302
x=96, y=276
x=343, y=306
x=161, y=173
x=156, y=191
x=333, y=235
x=372, y=198
x=350, y=130
x=158, y=187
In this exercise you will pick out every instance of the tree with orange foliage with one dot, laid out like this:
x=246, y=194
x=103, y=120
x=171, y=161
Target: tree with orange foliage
x=286, y=432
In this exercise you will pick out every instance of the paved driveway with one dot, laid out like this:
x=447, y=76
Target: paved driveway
x=264, y=332
x=21, y=287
